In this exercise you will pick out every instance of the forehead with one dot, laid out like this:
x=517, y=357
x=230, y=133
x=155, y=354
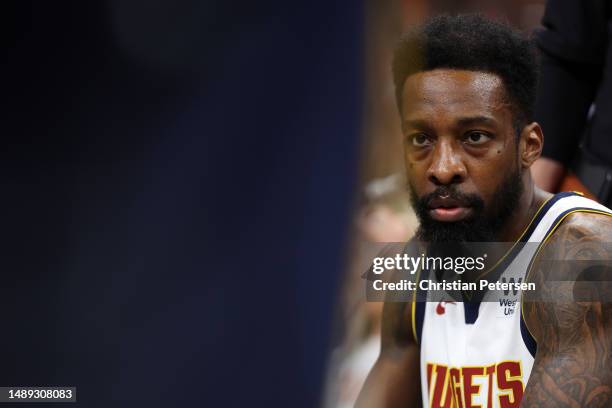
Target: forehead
x=453, y=92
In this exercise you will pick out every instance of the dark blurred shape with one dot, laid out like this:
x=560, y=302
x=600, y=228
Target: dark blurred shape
x=575, y=96
x=177, y=185
x=574, y=47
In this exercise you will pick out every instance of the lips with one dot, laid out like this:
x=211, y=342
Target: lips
x=448, y=209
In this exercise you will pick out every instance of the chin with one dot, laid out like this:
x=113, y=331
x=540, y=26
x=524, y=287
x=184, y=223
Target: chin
x=469, y=230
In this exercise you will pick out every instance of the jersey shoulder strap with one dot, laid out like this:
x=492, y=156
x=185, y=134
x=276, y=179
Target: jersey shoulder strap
x=557, y=209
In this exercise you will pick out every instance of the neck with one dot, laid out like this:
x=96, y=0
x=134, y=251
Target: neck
x=531, y=200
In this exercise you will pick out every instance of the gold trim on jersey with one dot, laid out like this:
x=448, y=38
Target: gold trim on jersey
x=414, y=333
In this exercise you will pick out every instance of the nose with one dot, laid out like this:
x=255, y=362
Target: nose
x=446, y=165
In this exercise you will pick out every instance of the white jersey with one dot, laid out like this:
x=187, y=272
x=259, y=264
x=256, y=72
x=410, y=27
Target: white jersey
x=481, y=354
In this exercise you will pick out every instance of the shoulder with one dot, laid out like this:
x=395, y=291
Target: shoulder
x=570, y=270
x=587, y=223
x=579, y=231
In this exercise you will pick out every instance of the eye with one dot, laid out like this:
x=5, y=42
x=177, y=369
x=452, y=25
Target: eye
x=420, y=140
x=476, y=138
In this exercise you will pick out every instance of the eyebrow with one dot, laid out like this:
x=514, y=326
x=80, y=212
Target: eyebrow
x=475, y=120
x=464, y=121
x=416, y=124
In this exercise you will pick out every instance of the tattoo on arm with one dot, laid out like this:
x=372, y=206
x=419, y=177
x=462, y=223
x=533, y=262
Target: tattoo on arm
x=573, y=328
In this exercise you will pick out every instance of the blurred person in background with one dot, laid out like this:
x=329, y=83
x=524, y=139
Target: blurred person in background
x=574, y=101
x=384, y=217
x=383, y=213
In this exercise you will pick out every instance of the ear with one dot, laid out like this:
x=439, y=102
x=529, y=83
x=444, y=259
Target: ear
x=531, y=142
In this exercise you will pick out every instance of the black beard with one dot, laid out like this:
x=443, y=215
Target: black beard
x=481, y=226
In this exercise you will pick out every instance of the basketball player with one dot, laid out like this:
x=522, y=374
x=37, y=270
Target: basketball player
x=466, y=112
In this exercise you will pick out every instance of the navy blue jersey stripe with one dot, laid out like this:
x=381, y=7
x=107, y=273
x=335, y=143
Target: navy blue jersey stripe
x=543, y=212
x=470, y=310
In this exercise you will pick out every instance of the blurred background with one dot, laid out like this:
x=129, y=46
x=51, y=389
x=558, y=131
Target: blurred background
x=189, y=193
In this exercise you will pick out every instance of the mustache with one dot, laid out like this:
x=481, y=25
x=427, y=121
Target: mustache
x=450, y=192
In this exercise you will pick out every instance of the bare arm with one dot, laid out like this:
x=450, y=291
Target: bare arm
x=394, y=380
x=573, y=364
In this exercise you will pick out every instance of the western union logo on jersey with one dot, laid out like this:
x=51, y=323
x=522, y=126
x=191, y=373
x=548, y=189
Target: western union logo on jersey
x=497, y=385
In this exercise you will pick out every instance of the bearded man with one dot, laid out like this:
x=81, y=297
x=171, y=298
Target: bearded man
x=465, y=88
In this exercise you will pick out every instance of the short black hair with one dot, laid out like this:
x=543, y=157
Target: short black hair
x=474, y=43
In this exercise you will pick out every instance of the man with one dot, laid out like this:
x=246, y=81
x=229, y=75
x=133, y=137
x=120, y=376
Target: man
x=466, y=112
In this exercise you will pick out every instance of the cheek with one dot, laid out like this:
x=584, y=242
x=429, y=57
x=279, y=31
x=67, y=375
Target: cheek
x=416, y=166
x=491, y=170
x=415, y=173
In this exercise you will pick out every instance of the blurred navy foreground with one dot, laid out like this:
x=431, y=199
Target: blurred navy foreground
x=177, y=181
